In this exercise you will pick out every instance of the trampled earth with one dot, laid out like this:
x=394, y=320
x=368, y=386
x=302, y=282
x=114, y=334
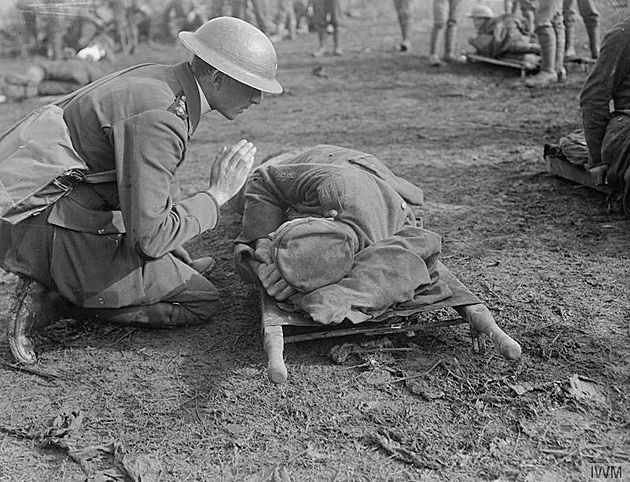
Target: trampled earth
x=544, y=254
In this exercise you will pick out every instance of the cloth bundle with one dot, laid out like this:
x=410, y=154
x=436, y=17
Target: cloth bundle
x=574, y=148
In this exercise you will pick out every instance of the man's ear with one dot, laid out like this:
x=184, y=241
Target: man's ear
x=217, y=77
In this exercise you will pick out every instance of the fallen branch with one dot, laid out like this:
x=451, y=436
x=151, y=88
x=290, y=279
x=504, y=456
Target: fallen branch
x=33, y=371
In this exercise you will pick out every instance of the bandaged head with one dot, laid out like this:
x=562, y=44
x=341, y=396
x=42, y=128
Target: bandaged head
x=313, y=252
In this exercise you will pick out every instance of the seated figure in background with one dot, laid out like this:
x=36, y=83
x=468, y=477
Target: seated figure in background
x=502, y=36
x=330, y=230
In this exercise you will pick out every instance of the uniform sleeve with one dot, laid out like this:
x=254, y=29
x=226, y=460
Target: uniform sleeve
x=149, y=147
x=385, y=273
x=599, y=89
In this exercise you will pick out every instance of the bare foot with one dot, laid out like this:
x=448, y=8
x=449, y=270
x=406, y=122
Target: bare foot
x=482, y=323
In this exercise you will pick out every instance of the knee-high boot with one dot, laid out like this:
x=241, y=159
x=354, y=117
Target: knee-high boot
x=547, y=75
x=434, y=58
x=560, y=52
x=450, y=44
x=594, y=40
x=569, y=41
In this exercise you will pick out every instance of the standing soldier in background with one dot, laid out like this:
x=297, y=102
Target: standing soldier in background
x=403, y=10
x=590, y=16
x=111, y=250
x=285, y=19
x=549, y=28
x=29, y=29
x=327, y=12
x=446, y=13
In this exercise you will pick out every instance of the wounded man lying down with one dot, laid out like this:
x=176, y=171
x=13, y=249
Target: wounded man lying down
x=330, y=230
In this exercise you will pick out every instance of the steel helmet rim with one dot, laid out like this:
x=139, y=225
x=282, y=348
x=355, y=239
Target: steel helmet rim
x=220, y=63
x=481, y=11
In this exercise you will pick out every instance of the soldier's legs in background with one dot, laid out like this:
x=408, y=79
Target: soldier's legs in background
x=261, y=11
x=54, y=37
x=440, y=12
x=29, y=37
x=569, y=14
x=319, y=20
x=548, y=24
x=590, y=15
x=290, y=18
x=238, y=9
x=450, y=40
x=558, y=27
x=333, y=8
x=403, y=9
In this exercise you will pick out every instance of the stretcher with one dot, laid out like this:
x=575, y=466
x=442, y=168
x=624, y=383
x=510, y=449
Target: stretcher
x=280, y=327
x=522, y=66
x=559, y=165
x=526, y=67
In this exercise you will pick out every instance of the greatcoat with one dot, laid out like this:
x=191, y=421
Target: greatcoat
x=396, y=264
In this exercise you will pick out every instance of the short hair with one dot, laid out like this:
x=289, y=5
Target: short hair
x=201, y=67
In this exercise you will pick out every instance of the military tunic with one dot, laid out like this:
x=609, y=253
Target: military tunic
x=605, y=103
x=397, y=260
x=107, y=245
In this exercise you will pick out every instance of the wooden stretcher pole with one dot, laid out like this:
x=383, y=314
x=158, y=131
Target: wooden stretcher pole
x=273, y=339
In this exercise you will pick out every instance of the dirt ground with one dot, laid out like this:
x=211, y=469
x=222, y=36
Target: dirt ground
x=543, y=253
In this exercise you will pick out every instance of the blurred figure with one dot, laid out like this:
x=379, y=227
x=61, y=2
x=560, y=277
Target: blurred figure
x=52, y=77
x=590, y=16
x=403, y=10
x=446, y=13
x=260, y=10
x=285, y=19
x=500, y=36
x=181, y=15
x=29, y=30
x=139, y=16
x=325, y=13
x=303, y=15
x=549, y=28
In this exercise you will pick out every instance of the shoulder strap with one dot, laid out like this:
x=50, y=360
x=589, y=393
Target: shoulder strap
x=100, y=177
x=103, y=176
x=92, y=85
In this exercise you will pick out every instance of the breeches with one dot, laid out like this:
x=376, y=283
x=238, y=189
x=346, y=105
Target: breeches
x=587, y=10
x=616, y=153
x=549, y=14
x=403, y=9
x=447, y=12
x=100, y=275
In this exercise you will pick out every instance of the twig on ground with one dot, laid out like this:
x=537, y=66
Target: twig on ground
x=33, y=371
x=170, y=362
x=411, y=377
x=127, y=333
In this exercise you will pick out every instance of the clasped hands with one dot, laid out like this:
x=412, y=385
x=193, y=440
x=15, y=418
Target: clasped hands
x=268, y=273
